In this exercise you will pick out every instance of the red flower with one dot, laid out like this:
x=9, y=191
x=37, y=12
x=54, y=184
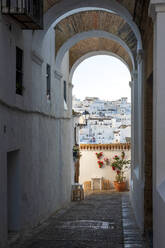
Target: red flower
x=100, y=163
x=113, y=168
x=99, y=155
x=118, y=172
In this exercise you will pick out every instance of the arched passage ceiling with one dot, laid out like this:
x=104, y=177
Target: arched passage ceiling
x=137, y=8
x=128, y=4
x=95, y=20
x=98, y=44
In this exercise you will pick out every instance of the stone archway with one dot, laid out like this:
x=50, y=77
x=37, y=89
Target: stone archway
x=90, y=34
x=52, y=17
x=137, y=137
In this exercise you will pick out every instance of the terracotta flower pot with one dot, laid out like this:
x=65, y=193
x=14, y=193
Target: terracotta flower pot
x=120, y=186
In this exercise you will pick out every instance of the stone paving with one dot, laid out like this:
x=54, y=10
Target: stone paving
x=102, y=220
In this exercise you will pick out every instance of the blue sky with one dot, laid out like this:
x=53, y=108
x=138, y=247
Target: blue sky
x=102, y=76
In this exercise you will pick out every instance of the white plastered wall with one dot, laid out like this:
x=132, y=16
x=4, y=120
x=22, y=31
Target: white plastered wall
x=39, y=129
x=157, y=12
x=89, y=167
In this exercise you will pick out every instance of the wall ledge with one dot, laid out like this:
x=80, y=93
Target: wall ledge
x=115, y=146
x=30, y=111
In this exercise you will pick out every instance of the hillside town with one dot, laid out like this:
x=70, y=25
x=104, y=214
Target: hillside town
x=103, y=122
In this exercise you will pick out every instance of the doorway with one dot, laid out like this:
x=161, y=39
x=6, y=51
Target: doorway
x=13, y=191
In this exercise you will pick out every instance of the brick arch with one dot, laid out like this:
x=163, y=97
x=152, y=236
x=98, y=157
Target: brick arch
x=97, y=46
x=57, y=10
x=95, y=20
x=130, y=5
x=96, y=34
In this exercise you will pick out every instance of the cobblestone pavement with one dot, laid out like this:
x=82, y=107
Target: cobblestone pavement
x=102, y=220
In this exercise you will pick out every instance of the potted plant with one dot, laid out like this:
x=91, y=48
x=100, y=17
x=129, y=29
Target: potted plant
x=100, y=163
x=107, y=161
x=76, y=152
x=120, y=165
x=99, y=155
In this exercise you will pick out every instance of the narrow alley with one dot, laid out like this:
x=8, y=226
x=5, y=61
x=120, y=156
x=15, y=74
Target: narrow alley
x=102, y=220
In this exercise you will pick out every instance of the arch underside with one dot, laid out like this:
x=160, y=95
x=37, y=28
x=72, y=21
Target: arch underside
x=130, y=5
x=95, y=20
x=97, y=44
x=135, y=7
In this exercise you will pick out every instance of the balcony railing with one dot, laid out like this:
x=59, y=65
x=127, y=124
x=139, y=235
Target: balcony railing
x=29, y=13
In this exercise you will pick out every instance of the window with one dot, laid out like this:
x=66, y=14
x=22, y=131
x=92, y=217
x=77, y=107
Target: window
x=65, y=94
x=48, y=81
x=19, y=71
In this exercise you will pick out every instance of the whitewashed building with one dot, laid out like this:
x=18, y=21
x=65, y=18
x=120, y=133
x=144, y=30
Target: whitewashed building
x=104, y=121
